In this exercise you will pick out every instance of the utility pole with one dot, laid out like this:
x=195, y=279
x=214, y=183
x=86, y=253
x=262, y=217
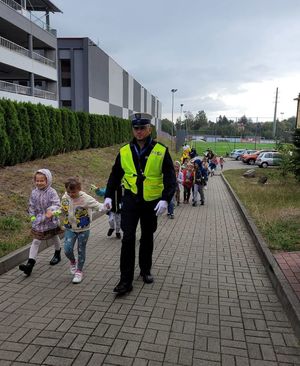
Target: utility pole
x=275, y=115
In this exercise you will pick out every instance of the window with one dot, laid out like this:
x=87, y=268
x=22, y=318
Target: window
x=65, y=65
x=66, y=82
x=66, y=103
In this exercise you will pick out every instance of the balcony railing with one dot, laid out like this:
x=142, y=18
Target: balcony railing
x=17, y=7
x=24, y=51
x=25, y=90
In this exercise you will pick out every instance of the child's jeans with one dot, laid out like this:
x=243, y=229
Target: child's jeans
x=70, y=240
x=114, y=220
x=171, y=207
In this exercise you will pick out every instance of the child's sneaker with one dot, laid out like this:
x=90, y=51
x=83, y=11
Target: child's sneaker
x=77, y=277
x=73, y=267
x=118, y=235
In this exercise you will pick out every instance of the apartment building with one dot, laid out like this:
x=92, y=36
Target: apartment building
x=28, y=52
x=91, y=81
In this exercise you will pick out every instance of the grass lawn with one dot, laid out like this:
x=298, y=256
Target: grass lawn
x=275, y=206
x=92, y=166
x=224, y=148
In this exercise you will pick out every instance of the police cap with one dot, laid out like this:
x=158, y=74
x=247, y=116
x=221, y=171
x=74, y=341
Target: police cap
x=140, y=119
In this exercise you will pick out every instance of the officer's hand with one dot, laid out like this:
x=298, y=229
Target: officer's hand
x=161, y=207
x=108, y=203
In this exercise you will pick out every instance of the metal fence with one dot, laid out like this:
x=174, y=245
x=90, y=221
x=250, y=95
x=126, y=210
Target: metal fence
x=26, y=90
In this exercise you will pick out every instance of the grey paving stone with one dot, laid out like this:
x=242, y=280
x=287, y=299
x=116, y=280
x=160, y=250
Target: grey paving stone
x=212, y=302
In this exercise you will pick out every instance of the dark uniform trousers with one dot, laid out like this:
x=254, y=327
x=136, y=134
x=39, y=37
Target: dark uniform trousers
x=133, y=211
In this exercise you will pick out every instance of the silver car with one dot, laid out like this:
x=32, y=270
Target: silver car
x=269, y=158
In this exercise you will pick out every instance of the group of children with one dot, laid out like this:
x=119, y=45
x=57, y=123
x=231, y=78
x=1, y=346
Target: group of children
x=74, y=212
x=192, y=176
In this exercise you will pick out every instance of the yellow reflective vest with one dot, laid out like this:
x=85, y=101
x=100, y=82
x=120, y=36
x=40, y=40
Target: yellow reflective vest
x=153, y=178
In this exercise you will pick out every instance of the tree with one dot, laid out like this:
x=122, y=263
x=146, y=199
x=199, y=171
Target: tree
x=56, y=134
x=45, y=124
x=167, y=126
x=23, y=117
x=35, y=131
x=296, y=155
x=13, y=131
x=200, y=121
x=84, y=128
x=4, y=142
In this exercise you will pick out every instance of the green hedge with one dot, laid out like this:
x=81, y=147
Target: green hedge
x=32, y=131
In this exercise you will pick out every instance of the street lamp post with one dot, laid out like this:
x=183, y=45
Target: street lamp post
x=173, y=92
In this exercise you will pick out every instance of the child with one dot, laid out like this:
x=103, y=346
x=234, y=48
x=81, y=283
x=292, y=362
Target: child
x=200, y=182
x=43, y=203
x=221, y=162
x=114, y=215
x=188, y=179
x=178, y=172
x=77, y=209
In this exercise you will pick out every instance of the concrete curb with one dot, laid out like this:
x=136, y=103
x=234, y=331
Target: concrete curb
x=283, y=289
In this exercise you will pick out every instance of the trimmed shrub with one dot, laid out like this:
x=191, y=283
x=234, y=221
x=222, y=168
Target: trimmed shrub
x=4, y=142
x=84, y=128
x=56, y=134
x=75, y=138
x=66, y=129
x=13, y=131
x=35, y=131
x=45, y=124
x=23, y=117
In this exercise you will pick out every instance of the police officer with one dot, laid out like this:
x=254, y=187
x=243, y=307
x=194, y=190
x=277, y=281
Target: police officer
x=145, y=168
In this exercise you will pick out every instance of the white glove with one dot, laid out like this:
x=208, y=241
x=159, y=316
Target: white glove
x=161, y=207
x=108, y=203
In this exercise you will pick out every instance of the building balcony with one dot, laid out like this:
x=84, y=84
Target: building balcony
x=25, y=52
x=28, y=14
x=25, y=90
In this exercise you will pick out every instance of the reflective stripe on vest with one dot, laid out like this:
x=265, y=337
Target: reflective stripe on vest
x=153, y=183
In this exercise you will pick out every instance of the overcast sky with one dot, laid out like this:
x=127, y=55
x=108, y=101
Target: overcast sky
x=225, y=57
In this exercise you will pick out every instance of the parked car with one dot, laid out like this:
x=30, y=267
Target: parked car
x=247, y=152
x=269, y=158
x=251, y=158
x=236, y=153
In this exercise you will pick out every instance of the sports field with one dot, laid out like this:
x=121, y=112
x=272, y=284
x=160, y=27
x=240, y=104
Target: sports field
x=224, y=148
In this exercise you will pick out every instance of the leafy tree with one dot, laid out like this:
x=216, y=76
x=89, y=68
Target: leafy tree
x=200, y=121
x=296, y=155
x=75, y=138
x=167, y=126
x=26, y=151
x=13, y=131
x=4, y=142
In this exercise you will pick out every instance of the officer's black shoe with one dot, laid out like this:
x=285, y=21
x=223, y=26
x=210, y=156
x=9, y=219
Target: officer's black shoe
x=122, y=288
x=147, y=278
x=110, y=231
x=118, y=235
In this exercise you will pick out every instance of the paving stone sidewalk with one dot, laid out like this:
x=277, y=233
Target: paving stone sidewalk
x=212, y=302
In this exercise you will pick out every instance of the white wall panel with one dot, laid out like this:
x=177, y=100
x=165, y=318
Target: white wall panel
x=130, y=92
x=98, y=106
x=149, y=101
x=125, y=113
x=115, y=83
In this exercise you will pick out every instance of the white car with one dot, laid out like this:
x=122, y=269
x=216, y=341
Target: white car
x=268, y=158
x=236, y=153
